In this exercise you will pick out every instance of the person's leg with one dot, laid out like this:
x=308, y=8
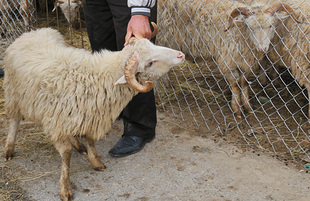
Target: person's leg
x=139, y=116
x=100, y=25
x=121, y=16
x=1, y=72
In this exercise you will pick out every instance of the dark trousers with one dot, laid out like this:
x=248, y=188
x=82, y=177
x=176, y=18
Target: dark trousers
x=106, y=22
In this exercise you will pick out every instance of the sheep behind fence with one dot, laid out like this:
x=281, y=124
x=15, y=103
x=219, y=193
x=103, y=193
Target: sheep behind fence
x=279, y=122
x=238, y=36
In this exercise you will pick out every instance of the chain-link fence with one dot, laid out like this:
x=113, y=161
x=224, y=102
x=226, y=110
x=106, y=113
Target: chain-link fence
x=246, y=74
x=16, y=16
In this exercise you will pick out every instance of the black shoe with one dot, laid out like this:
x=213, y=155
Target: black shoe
x=129, y=145
x=1, y=72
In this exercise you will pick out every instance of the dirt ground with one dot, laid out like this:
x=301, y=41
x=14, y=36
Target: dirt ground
x=178, y=165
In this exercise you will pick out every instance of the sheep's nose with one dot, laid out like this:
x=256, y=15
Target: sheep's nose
x=262, y=50
x=181, y=55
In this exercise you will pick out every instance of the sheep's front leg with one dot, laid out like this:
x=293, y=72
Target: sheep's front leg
x=232, y=77
x=93, y=155
x=245, y=95
x=235, y=99
x=78, y=145
x=307, y=85
x=263, y=76
x=64, y=147
x=10, y=141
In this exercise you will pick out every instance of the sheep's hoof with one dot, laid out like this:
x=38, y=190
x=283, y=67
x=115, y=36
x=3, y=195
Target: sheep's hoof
x=78, y=146
x=7, y=159
x=103, y=168
x=8, y=155
x=248, y=109
x=66, y=195
x=82, y=150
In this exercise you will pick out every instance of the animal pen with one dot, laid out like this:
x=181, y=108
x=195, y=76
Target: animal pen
x=198, y=91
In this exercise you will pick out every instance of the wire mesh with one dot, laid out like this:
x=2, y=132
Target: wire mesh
x=16, y=17
x=246, y=75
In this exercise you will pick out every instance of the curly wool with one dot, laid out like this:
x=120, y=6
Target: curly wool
x=69, y=97
x=200, y=25
x=292, y=47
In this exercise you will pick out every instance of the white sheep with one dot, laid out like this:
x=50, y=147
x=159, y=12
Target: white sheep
x=70, y=9
x=267, y=69
x=74, y=93
x=292, y=44
x=199, y=28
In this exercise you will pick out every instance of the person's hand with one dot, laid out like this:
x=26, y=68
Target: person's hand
x=138, y=26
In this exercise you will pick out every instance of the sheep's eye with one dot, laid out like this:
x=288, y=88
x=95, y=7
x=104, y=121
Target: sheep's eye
x=149, y=64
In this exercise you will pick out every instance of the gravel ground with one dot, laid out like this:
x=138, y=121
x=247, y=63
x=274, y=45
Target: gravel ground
x=177, y=165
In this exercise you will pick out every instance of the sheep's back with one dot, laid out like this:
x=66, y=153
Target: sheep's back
x=68, y=97
x=291, y=44
x=196, y=27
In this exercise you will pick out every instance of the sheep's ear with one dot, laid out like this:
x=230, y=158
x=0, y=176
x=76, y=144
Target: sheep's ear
x=57, y=4
x=238, y=21
x=282, y=16
x=79, y=2
x=121, y=80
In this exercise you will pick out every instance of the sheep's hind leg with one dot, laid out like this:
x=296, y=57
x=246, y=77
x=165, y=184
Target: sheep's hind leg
x=232, y=77
x=78, y=145
x=307, y=85
x=64, y=148
x=245, y=95
x=93, y=155
x=10, y=141
x=235, y=99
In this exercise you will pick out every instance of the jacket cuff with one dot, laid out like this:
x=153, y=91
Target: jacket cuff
x=141, y=11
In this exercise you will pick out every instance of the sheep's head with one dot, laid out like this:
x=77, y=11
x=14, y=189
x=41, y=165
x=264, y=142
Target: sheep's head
x=261, y=25
x=70, y=9
x=148, y=63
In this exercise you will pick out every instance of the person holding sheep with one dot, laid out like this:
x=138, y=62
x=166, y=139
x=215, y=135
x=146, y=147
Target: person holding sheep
x=110, y=24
